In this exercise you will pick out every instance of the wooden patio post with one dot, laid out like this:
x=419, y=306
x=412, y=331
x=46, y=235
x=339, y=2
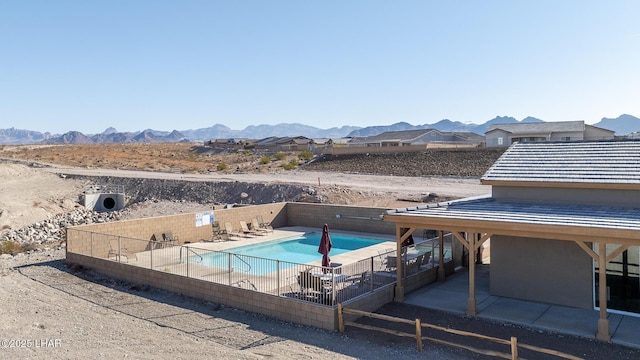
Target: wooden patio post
x=471, y=302
x=399, y=291
x=603, y=322
x=441, y=273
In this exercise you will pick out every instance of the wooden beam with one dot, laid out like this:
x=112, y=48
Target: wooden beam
x=471, y=302
x=542, y=231
x=407, y=234
x=484, y=238
x=464, y=241
x=399, y=291
x=441, y=272
x=617, y=252
x=603, y=322
x=588, y=250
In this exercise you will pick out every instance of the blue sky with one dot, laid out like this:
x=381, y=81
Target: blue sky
x=134, y=64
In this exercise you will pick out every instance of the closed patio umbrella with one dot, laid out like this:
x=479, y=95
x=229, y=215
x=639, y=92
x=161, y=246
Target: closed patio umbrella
x=325, y=247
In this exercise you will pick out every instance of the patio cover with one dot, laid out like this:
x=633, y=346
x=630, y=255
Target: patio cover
x=582, y=224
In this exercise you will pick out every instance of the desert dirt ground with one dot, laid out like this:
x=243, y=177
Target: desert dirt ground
x=53, y=311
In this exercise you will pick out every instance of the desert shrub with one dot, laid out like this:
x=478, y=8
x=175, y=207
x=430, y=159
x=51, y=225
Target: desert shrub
x=10, y=247
x=281, y=155
x=222, y=166
x=290, y=165
x=28, y=247
x=306, y=155
x=265, y=160
x=246, y=152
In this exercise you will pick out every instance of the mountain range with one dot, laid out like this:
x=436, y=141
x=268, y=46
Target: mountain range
x=622, y=125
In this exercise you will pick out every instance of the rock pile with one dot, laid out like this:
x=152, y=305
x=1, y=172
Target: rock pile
x=52, y=230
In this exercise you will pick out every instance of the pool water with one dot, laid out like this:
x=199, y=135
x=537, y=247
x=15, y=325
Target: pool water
x=290, y=251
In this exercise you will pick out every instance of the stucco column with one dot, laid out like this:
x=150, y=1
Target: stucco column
x=603, y=322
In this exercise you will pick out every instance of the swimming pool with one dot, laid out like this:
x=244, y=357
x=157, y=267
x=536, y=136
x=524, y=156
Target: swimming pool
x=289, y=251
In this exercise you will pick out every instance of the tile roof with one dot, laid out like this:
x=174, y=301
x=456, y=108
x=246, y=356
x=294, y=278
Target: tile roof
x=491, y=210
x=399, y=135
x=586, y=162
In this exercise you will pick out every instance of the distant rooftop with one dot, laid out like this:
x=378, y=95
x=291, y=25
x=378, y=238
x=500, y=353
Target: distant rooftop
x=539, y=127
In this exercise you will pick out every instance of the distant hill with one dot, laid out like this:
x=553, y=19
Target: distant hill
x=13, y=136
x=622, y=125
x=146, y=136
x=442, y=125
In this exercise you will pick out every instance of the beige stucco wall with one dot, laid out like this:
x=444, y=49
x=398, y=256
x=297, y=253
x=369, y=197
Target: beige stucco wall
x=491, y=138
x=595, y=133
x=572, y=135
x=548, y=271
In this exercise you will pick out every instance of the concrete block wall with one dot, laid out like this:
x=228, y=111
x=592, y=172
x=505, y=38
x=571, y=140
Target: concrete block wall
x=351, y=218
x=271, y=213
x=87, y=243
x=292, y=310
x=370, y=302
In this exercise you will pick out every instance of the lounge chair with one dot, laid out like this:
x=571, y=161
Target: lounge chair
x=229, y=229
x=245, y=229
x=157, y=240
x=256, y=226
x=168, y=237
x=263, y=224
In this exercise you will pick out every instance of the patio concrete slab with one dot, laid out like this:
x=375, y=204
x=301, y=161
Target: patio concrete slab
x=627, y=331
x=515, y=311
x=452, y=294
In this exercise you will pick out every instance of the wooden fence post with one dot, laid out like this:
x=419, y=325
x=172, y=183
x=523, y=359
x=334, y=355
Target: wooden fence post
x=514, y=348
x=419, y=334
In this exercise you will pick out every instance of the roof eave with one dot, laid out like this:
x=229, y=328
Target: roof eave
x=563, y=184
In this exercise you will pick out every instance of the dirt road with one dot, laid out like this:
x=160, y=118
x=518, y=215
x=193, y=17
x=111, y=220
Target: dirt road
x=442, y=186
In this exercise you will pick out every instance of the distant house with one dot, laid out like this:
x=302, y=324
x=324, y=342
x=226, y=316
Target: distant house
x=227, y=143
x=507, y=134
x=298, y=143
x=416, y=137
x=275, y=143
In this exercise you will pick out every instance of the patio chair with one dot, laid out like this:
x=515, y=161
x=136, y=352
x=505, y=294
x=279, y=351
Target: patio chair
x=245, y=229
x=230, y=232
x=311, y=285
x=263, y=224
x=256, y=226
x=117, y=251
x=415, y=265
x=217, y=232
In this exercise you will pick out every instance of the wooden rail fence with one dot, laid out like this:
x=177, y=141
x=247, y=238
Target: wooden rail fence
x=513, y=342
